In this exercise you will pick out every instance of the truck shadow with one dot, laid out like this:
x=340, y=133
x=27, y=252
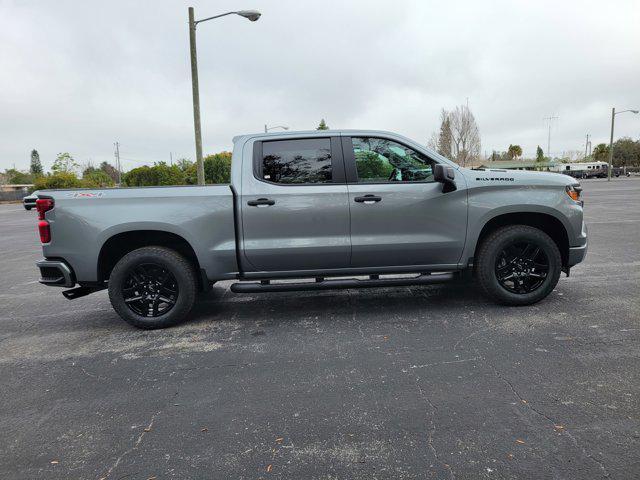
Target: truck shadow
x=220, y=304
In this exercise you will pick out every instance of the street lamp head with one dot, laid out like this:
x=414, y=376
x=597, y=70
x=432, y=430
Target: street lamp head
x=635, y=111
x=252, y=15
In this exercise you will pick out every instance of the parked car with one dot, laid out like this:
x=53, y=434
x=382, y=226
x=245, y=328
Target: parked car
x=29, y=201
x=309, y=206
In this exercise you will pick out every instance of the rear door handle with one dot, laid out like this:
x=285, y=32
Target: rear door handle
x=261, y=202
x=368, y=199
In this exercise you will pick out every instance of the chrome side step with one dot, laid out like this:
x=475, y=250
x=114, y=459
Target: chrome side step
x=322, y=284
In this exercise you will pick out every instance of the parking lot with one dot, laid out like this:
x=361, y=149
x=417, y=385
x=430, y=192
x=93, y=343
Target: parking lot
x=418, y=382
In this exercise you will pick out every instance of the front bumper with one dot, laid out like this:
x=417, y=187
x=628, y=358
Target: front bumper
x=56, y=273
x=577, y=254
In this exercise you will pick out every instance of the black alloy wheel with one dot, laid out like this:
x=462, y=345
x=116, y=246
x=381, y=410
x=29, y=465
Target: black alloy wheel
x=521, y=267
x=518, y=265
x=149, y=290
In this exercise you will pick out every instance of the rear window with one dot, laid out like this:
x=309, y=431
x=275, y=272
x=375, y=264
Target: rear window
x=297, y=161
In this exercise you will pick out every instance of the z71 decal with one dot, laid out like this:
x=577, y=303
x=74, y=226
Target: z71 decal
x=85, y=194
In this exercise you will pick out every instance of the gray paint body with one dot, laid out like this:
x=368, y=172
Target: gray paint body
x=311, y=229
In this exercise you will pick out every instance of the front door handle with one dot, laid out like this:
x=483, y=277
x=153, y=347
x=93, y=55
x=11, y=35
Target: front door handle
x=368, y=199
x=261, y=202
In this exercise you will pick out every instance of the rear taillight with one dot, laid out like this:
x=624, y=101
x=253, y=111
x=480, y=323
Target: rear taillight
x=45, y=231
x=43, y=205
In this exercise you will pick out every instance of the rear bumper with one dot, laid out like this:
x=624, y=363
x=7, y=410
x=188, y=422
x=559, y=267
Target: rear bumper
x=56, y=273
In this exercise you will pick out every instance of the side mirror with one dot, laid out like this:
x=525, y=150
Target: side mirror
x=445, y=175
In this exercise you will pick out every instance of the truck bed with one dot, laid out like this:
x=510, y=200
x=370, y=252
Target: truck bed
x=83, y=220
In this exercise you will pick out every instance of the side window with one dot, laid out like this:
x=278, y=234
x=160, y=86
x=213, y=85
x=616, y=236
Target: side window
x=380, y=160
x=297, y=161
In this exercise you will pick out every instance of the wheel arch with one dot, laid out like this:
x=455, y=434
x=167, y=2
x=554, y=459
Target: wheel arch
x=546, y=222
x=119, y=244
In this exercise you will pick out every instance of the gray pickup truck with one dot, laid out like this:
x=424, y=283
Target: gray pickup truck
x=332, y=209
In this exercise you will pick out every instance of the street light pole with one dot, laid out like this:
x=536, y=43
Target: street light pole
x=613, y=119
x=251, y=15
x=196, y=97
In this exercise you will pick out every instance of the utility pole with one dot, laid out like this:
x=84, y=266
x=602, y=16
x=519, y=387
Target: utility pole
x=196, y=97
x=550, y=119
x=171, y=158
x=117, y=152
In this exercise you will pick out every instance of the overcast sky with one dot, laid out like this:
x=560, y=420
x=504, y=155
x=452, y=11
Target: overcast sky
x=78, y=75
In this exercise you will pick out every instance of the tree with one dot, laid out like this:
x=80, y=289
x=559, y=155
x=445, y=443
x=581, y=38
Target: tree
x=217, y=168
x=514, y=151
x=184, y=164
x=110, y=170
x=159, y=174
x=432, y=143
x=16, y=177
x=36, y=164
x=98, y=178
x=601, y=153
x=465, y=135
x=58, y=180
x=322, y=125
x=64, y=162
x=445, y=137
x=626, y=152
x=539, y=155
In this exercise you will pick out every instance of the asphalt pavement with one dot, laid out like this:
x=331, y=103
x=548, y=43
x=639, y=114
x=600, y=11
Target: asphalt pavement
x=419, y=382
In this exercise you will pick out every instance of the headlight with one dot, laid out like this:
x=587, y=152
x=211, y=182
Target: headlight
x=574, y=191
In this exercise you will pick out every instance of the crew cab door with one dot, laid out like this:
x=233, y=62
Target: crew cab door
x=399, y=214
x=295, y=206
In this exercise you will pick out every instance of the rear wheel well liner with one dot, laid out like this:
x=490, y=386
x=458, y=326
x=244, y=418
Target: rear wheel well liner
x=122, y=243
x=543, y=221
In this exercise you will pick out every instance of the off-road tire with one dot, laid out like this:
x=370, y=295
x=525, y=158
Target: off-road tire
x=495, y=243
x=181, y=269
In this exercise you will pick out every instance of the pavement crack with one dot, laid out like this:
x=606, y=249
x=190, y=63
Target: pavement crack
x=574, y=440
x=462, y=360
x=134, y=447
x=432, y=431
x=470, y=336
x=603, y=468
x=520, y=397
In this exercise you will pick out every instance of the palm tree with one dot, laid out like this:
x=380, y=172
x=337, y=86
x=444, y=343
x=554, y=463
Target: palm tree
x=514, y=151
